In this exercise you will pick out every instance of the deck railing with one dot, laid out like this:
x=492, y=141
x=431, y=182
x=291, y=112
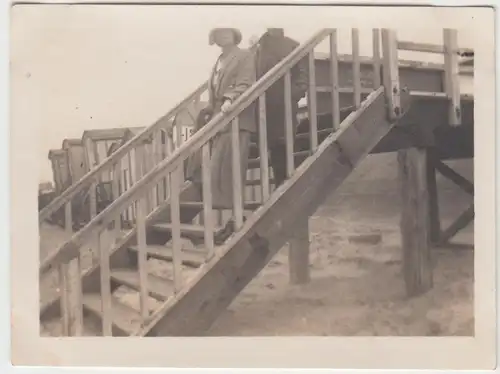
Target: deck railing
x=164, y=170
x=451, y=53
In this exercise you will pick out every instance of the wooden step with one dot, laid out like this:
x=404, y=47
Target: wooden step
x=254, y=163
x=250, y=205
x=159, y=288
x=125, y=319
x=187, y=229
x=301, y=135
x=162, y=252
x=256, y=182
x=53, y=327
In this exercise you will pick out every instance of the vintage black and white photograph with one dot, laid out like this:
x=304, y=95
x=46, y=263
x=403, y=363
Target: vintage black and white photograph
x=206, y=173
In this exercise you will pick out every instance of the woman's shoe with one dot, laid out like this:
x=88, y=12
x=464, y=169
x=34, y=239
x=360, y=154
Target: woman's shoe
x=229, y=229
x=223, y=234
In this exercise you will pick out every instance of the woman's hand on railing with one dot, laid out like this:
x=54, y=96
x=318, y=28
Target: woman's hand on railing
x=226, y=106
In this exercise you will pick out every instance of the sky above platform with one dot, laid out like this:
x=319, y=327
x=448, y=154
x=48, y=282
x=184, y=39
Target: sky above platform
x=89, y=67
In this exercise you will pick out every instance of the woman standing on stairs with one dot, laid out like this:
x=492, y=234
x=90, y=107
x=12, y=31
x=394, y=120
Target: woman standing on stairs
x=233, y=73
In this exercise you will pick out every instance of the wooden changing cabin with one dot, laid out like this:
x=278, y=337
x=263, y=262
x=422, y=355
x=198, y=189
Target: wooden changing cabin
x=98, y=145
x=77, y=162
x=60, y=169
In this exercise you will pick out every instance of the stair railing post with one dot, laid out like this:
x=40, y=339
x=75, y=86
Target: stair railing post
x=208, y=216
x=356, y=68
x=391, y=73
x=116, y=194
x=263, y=149
x=289, y=140
x=179, y=139
x=376, y=58
x=237, y=173
x=334, y=77
x=312, y=105
x=175, y=214
x=131, y=174
x=73, y=282
x=159, y=158
x=141, y=213
x=64, y=299
x=105, y=279
x=169, y=149
x=452, y=75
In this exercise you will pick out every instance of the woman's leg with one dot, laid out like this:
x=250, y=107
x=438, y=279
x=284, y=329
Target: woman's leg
x=223, y=177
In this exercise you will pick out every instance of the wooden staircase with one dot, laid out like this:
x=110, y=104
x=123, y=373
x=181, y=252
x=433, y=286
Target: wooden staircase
x=189, y=285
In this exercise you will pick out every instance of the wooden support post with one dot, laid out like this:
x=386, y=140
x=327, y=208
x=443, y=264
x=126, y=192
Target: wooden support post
x=298, y=255
x=417, y=263
x=434, y=221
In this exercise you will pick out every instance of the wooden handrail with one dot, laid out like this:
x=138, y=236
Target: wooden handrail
x=70, y=249
x=107, y=163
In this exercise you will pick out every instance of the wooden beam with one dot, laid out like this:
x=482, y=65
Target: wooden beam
x=460, y=223
x=417, y=264
x=298, y=253
x=456, y=178
x=434, y=221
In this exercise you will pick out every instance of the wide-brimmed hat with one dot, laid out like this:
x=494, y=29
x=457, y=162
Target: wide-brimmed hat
x=236, y=32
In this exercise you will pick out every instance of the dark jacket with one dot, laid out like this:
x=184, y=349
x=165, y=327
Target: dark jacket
x=272, y=50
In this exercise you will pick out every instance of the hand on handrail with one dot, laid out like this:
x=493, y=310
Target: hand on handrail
x=226, y=106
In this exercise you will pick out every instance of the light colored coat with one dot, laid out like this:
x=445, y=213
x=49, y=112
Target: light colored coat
x=236, y=76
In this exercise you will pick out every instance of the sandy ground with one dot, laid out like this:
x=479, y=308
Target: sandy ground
x=355, y=288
